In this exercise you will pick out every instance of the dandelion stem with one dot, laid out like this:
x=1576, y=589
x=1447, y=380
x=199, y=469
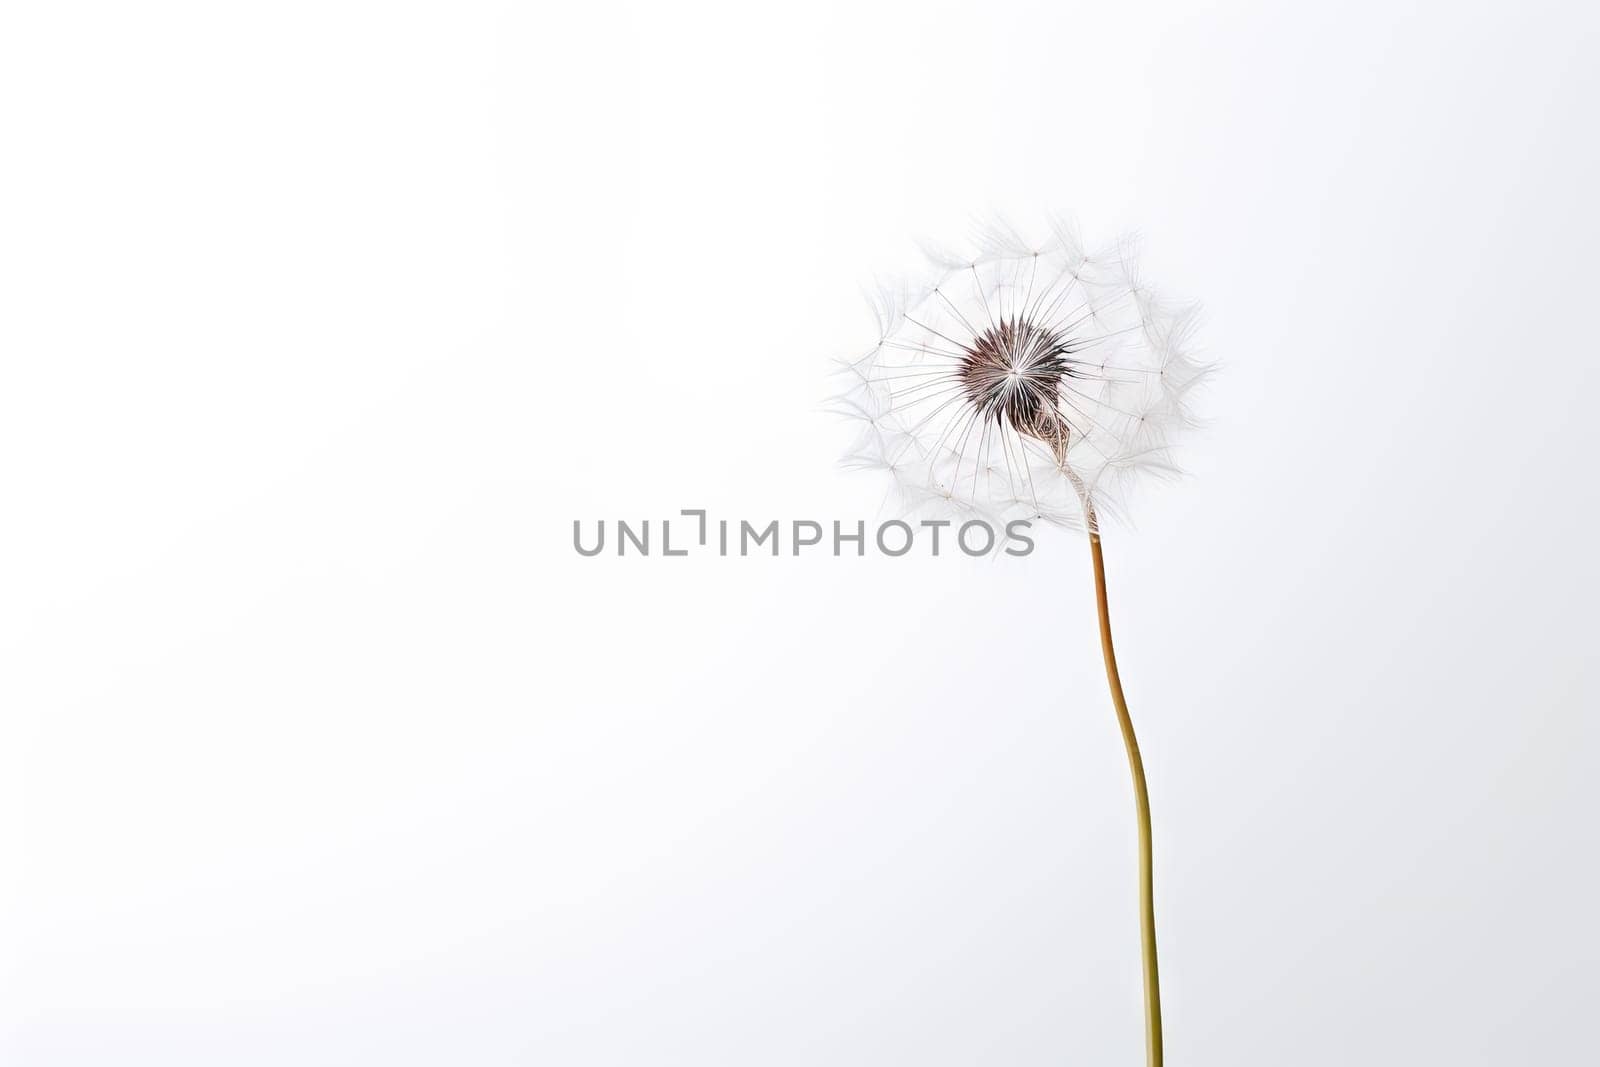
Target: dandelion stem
x=1141, y=798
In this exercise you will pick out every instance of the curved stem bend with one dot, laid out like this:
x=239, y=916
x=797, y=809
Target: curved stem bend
x=1141, y=799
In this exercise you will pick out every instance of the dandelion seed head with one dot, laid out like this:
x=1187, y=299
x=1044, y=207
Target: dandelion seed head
x=1027, y=380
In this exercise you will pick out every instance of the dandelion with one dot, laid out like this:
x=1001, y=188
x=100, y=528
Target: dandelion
x=1040, y=382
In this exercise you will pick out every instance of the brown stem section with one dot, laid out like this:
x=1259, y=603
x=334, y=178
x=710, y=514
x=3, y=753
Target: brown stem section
x=1141, y=798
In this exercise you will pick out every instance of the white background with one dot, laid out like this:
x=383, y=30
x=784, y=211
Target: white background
x=320, y=323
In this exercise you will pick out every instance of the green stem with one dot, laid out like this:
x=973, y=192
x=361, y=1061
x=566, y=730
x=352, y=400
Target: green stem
x=1141, y=798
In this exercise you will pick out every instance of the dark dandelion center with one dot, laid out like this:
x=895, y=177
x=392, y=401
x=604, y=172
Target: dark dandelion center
x=1014, y=372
